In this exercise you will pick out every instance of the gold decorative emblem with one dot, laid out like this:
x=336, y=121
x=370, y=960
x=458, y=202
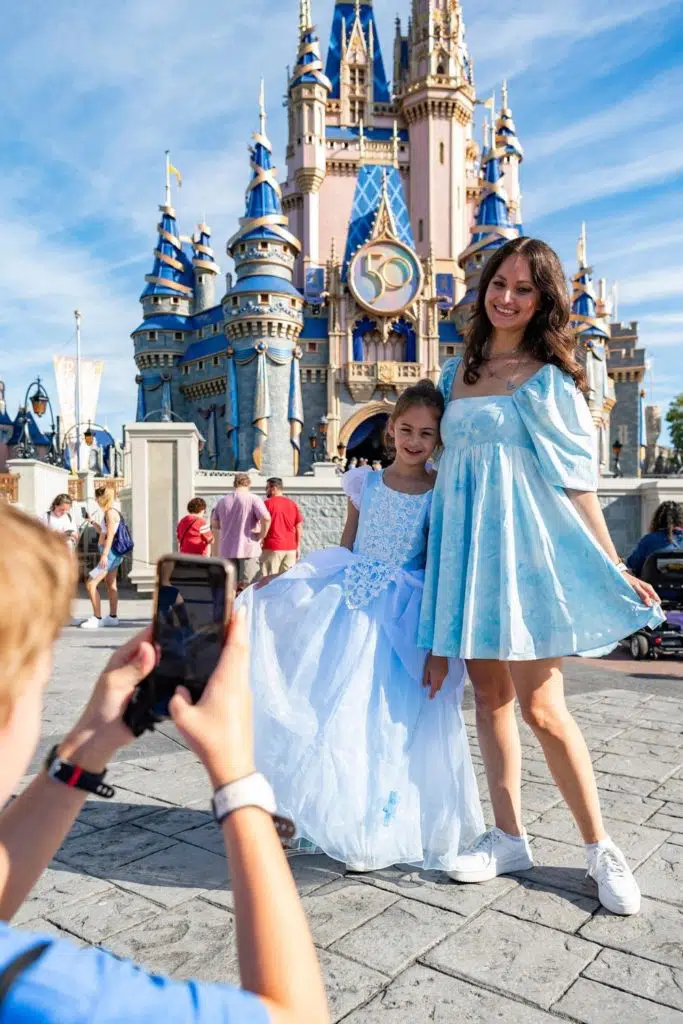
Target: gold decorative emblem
x=385, y=276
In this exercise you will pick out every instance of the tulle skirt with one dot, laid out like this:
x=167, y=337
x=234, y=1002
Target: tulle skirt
x=372, y=771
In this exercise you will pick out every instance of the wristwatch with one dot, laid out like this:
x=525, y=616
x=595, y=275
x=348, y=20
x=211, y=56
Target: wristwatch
x=251, y=791
x=76, y=778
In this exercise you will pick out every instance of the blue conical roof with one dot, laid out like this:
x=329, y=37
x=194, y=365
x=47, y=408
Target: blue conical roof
x=506, y=133
x=309, y=62
x=492, y=227
x=263, y=216
x=172, y=270
x=203, y=258
x=584, y=318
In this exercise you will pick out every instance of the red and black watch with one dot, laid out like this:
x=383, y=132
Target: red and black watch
x=75, y=777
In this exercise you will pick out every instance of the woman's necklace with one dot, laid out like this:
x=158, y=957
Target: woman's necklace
x=515, y=359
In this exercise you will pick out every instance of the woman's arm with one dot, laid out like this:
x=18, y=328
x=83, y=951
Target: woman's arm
x=348, y=536
x=587, y=505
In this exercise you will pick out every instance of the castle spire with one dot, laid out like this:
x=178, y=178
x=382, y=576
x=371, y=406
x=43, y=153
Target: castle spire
x=584, y=316
x=263, y=216
x=512, y=155
x=205, y=268
x=354, y=20
x=172, y=271
x=309, y=63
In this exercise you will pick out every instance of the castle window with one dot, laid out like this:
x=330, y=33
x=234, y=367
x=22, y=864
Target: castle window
x=243, y=248
x=312, y=346
x=442, y=153
x=186, y=370
x=152, y=335
x=293, y=302
x=263, y=298
x=200, y=365
x=175, y=301
x=235, y=300
x=263, y=245
x=215, y=360
x=215, y=328
x=156, y=300
x=178, y=335
x=420, y=231
x=450, y=350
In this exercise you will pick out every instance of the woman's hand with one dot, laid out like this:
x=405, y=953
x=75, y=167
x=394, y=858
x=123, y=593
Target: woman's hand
x=103, y=563
x=435, y=672
x=647, y=594
x=219, y=726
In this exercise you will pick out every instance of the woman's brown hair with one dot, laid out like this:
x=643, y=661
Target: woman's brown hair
x=667, y=518
x=548, y=337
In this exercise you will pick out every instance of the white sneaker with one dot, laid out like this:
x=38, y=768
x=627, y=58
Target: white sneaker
x=110, y=620
x=359, y=869
x=493, y=853
x=617, y=888
x=92, y=623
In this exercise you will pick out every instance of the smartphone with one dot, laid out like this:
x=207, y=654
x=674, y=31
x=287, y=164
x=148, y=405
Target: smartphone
x=192, y=608
x=84, y=512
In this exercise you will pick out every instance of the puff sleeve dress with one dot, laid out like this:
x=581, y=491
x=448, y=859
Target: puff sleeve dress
x=513, y=573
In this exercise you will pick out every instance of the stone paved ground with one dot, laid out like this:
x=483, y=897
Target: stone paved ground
x=145, y=876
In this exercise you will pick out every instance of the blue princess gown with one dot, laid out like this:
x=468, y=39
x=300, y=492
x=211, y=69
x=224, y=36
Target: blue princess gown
x=372, y=771
x=513, y=573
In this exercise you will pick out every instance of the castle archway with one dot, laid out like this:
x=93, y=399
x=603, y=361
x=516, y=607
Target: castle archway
x=363, y=433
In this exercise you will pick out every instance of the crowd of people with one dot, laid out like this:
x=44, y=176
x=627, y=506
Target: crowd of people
x=494, y=568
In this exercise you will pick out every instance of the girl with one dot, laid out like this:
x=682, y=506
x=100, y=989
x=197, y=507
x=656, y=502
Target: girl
x=372, y=772
x=521, y=568
x=59, y=518
x=665, y=534
x=108, y=566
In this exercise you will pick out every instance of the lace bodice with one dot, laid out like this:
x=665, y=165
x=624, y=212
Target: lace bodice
x=392, y=535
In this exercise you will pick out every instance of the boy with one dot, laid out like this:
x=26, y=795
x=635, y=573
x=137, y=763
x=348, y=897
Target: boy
x=51, y=981
x=193, y=532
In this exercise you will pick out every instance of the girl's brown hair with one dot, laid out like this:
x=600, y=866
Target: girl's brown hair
x=423, y=393
x=667, y=518
x=548, y=336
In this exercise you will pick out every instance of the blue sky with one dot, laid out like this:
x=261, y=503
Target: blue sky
x=92, y=94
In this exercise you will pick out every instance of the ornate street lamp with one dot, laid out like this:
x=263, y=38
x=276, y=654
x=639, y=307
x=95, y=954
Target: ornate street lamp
x=40, y=403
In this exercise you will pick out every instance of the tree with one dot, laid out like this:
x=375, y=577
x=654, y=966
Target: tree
x=674, y=418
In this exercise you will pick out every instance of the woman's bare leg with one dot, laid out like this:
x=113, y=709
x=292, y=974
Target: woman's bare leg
x=540, y=689
x=91, y=586
x=113, y=592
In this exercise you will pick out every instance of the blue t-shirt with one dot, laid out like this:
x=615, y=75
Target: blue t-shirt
x=68, y=985
x=651, y=542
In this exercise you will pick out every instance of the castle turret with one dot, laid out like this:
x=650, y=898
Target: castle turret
x=592, y=336
x=437, y=101
x=491, y=229
x=511, y=157
x=167, y=302
x=264, y=318
x=309, y=88
x=205, y=269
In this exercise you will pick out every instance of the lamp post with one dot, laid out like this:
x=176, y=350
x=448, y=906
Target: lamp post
x=616, y=451
x=40, y=403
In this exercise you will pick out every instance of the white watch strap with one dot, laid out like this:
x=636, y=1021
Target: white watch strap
x=251, y=791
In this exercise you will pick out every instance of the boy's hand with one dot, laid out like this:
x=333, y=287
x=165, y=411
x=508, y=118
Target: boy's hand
x=435, y=672
x=219, y=726
x=100, y=730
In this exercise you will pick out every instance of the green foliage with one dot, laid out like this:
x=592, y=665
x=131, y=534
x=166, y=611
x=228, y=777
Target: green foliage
x=674, y=418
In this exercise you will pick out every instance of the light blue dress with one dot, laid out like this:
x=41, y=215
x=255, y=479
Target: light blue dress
x=372, y=771
x=513, y=573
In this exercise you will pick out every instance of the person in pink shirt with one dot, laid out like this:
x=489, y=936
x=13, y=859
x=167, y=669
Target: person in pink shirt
x=240, y=521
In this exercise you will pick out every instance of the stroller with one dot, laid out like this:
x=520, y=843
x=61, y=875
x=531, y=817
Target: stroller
x=664, y=571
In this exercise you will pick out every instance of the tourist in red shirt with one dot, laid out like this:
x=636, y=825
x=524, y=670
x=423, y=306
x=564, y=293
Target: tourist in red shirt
x=193, y=532
x=282, y=546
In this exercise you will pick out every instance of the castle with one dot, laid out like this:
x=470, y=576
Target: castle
x=356, y=276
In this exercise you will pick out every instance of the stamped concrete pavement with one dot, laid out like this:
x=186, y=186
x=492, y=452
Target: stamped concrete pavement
x=145, y=875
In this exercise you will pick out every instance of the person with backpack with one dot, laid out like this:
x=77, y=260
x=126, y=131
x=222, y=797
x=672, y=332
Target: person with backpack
x=115, y=542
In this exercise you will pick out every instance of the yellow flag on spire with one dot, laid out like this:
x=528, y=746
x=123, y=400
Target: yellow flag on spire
x=178, y=175
x=488, y=103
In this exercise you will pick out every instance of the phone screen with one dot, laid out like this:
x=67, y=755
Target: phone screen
x=189, y=627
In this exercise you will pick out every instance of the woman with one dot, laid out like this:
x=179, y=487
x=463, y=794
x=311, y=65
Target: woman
x=521, y=569
x=59, y=519
x=108, y=566
x=666, y=534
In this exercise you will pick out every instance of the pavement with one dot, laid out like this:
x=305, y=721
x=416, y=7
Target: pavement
x=145, y=874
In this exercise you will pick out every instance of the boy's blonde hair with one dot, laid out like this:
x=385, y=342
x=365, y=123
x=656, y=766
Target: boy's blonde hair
x=37, y=579
x=105, y=497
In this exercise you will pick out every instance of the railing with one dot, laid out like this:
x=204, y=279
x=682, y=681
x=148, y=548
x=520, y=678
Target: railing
x=115, y=482
x=363, y=378
x=9, y=487
x=76, y=488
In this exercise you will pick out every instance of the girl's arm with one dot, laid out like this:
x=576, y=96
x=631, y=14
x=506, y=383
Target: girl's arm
x=587, y=505
x=348, y=537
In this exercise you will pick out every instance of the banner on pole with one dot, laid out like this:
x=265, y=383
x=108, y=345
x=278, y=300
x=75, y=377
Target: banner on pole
x=65, y=377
